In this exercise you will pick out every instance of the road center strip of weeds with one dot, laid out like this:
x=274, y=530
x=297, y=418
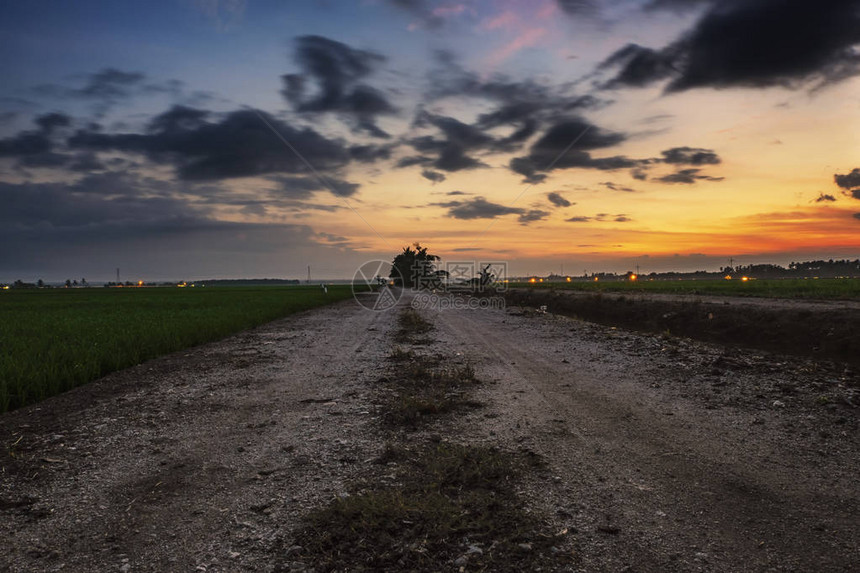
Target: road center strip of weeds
x=448, y=505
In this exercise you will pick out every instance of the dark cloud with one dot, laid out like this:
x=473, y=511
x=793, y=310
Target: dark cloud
x=532, y=215
x=520, y=107
x=558, y=200
x=110, y=84
x=297, y=187
x=855, y=193
x=44, y=160
x=239, y=145
x=58, y=205
x=340, y=187
x=25, y=143
x=677, y=5
x=527, y=168
x=454, y=158
x=824, y=197
x=336, y=70
x=433, y=176
x=615, y=187
x=178, y=119
x=413, y=160
x=515, y=99
x=690, y=156
x=50, y=121
x=639, y=66
x=563, y=146
x=578, y=7
x=849, y=180
x=751, y=43
x=454, y=193
x=53, y=228
x=452, y=149
x=856, y=215
x=622, y=219
x=579, y=219
x=35, y=146
x=478, y=208
x=369, y=153
x=639, y=174
x=687, y=176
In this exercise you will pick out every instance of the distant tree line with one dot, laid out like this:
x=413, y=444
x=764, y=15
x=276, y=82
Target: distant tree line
x=822, y=269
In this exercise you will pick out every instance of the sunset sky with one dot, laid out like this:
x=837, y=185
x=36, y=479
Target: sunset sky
x=191, y=139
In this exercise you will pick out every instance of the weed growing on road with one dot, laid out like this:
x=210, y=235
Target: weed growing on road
x=411, y=324
x=422, y=387
x=453, y=505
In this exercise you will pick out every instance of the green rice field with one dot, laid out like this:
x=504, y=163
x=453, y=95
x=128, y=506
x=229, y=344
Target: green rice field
x=52, y=340
x=844, y=289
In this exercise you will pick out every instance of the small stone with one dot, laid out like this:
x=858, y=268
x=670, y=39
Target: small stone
x=525, y=546
x=461, y=561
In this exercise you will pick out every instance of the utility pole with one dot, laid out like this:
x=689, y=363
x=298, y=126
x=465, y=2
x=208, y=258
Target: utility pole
x=117, y=275
x=309, y=274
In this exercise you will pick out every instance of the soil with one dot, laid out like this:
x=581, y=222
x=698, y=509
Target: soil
x=660, y=453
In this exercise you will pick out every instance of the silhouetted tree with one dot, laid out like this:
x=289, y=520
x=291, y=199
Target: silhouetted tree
x=415, y=267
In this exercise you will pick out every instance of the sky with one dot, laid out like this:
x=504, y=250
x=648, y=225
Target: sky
x=192, y=139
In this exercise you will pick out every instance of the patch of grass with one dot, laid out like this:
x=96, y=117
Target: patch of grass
x=421, y=388
x=411, y=324
x=400, y=355
x=55, y=339
x=454, y=503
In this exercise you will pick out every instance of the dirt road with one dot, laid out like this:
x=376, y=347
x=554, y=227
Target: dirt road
x=662, y=454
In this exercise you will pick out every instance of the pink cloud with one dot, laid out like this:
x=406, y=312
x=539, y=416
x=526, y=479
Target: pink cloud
x=548, y=10
x=504, y=20
x=526, y=39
